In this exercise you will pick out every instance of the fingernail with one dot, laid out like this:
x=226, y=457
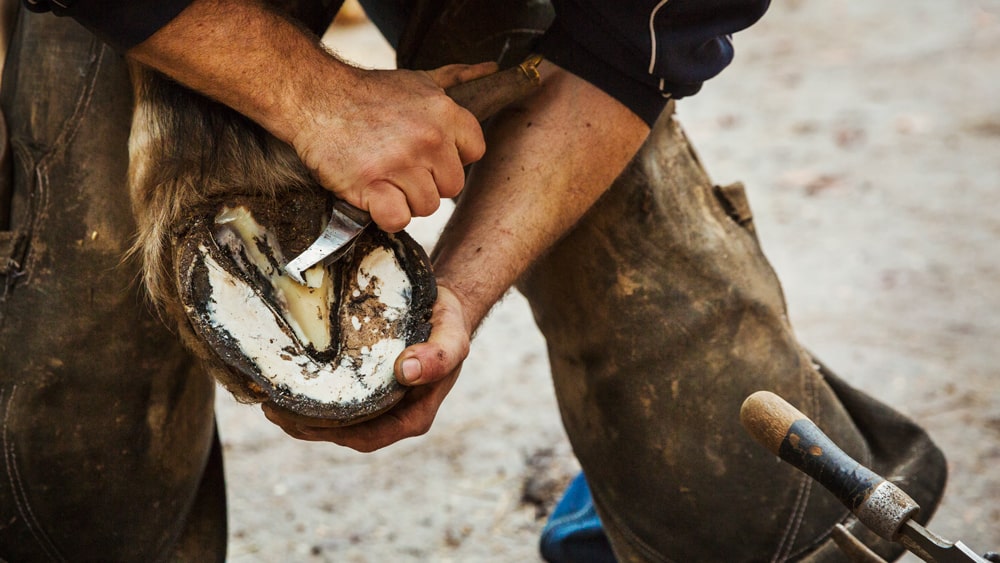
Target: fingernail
x=411, y=370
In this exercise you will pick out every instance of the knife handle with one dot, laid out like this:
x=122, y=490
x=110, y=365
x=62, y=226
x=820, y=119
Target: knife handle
x=786, y=432
x=488, y=94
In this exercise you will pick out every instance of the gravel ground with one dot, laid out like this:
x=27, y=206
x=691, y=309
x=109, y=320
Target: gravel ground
x=868, y=135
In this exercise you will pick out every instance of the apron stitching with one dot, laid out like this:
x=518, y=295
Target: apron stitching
x=73, y=122
x=795, y=520
x=17, y=487
x=41, y=166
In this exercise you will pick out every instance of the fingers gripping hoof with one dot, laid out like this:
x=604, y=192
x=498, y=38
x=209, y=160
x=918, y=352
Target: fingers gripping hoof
x=322, y=350
x=221, y=205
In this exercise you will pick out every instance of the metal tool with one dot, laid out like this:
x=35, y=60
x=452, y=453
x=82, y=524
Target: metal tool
x=346, y=223
x=482, y=97
x=878, y=504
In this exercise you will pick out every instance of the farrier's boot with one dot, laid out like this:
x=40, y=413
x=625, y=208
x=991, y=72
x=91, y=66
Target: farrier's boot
x=661, y=316
x=107, y=437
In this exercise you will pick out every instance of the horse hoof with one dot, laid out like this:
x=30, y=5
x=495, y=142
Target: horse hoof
x=321, y=350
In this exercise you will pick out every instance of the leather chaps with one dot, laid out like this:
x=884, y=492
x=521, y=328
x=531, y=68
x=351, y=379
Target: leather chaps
x=108, y=442
x=661, y=315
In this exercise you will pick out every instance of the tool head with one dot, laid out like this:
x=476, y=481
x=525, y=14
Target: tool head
x=920, y=540
x=346, y=223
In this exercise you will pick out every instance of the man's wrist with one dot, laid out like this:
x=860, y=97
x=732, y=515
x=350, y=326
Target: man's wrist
x=473, y=310
x=306, y=95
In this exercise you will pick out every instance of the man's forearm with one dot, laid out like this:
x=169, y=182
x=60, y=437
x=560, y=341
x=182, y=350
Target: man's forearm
x=389, y=142
x=246, y=56
x=548, y=161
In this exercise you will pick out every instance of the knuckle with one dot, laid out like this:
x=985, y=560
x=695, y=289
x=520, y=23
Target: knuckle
x=456, y=356
x=430, y=136
x=421, y=427
x=429, y=206
x=393, y=219
x=478, y=146
x=364, y=447
x=473, y=150
x=395, y=226
x=445, y=359
x=452, y=188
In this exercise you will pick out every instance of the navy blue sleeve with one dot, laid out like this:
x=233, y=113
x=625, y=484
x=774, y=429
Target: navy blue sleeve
x=120, y=24
x=645, y=52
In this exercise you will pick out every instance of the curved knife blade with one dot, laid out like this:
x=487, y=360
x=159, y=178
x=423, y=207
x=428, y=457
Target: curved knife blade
x=346, y=223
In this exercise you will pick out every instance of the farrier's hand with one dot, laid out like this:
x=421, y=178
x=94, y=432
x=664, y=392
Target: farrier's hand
x=431, y=368
x=392, y=143
x=538, y=180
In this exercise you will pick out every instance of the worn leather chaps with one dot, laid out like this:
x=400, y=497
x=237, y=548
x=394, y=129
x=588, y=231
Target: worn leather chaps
x=661, y=315
x=107, y=437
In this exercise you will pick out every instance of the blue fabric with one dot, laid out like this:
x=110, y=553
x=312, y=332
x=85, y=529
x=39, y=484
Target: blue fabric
x=643, y=52
x=573, y=533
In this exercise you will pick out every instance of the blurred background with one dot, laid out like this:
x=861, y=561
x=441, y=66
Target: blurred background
x=868, y=136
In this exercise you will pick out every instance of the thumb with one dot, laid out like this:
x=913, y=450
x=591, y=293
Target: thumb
x=450, y=75
x=445, y=349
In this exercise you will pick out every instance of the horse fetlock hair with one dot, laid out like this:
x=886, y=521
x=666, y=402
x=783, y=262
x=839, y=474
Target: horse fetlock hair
x=185, y=152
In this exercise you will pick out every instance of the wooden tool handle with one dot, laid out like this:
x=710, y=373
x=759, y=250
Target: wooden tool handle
x=487, y=95
x=785, y=431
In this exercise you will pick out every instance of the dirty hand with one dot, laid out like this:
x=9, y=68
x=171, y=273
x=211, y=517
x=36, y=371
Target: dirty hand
x=431, y=368
x=392, y=142
x=388, y=141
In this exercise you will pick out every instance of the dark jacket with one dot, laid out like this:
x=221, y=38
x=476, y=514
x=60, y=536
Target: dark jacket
x=642, y=52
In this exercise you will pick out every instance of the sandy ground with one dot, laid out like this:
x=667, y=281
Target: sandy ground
x=868, y=135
